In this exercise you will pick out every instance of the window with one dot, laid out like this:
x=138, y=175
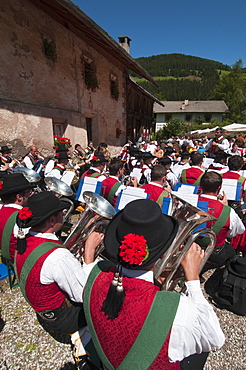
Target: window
x=90, y=77
x=207, y=117
x=188, y=117
x=168, y=117
x=59, y=126
x=49, y=49
x=114, y=90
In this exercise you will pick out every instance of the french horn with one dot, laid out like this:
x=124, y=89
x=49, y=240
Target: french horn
x=189, y=218
x=96, y=214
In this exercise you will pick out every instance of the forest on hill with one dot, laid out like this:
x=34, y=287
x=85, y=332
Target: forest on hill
x=181, y=76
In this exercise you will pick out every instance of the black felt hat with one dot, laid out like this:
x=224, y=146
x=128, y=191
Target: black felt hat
x=98, y=159
x=141, y=217
x=145, y=155
x=42, y=206
x=5, y=149
x=61, y=155
x=14, y=183
x=61, y=148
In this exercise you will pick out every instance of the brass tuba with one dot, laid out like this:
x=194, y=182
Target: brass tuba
x=31, y=175
x=189, y=218
x=97, y=212
x=61, y=190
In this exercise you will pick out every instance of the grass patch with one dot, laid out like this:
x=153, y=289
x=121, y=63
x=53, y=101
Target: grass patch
x=30, y=347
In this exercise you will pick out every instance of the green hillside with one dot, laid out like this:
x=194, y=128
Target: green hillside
x=181, y=76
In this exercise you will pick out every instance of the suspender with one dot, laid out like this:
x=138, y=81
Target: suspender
x=7, y=231
x=152, y=328
x=30, y=261
x=113, y=190
x=163, y=194
x=218, y=225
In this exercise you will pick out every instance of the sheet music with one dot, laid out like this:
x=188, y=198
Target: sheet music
x=136, y=172
x=186, y=190
x=90, y=184
x=230, y=187
x=67, y=177
x=207, y=161
x=129, y=194
x=188, y=197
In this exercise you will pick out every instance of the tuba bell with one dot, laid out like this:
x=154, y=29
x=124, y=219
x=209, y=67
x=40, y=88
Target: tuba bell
x=189, y=218
x=97, y=212
x=61, y=190
x=31, y=175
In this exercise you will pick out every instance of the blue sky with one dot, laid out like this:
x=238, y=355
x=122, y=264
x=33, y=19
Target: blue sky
x=212, y=29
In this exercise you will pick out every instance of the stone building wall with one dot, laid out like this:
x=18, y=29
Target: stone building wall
x=37, y=90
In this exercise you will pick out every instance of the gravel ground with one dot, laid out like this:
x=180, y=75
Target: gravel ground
x=25, y=345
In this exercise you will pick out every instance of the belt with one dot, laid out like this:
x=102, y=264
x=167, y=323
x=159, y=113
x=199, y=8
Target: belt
x=53, y=315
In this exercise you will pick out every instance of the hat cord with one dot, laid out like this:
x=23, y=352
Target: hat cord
x=115, y=296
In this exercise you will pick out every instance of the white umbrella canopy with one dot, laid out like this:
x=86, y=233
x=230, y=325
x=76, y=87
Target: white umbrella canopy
x=235, y=127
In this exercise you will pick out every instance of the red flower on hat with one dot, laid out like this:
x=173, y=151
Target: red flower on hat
x=25, y=213
x=95, y=158
x=134, y=249
x=57, y=155
x=1, y=185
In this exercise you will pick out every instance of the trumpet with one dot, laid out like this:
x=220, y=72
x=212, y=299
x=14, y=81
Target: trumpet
x=189, y=218
x=96, y=214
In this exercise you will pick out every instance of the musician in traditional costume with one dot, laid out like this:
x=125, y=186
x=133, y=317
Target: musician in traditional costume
x=6, y=162
x=220, y=163
x=98, y=164
x=111, y=186
x=51, y=160
x=60, y=166
x=145, y=165
x=172, y=179
x=32, y=159
x=158, y=187
x=217, y=144
x=228, y=223
x=50, y=278
x=14, y=192
x=235, y=164
x=182, y=164
x=193, y=174
x=133, y=324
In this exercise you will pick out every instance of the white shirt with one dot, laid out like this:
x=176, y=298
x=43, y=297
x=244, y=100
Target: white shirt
x=172, y=179
x=221, y=168
x=49, y=167
x=64, y=269
x=195, y=327
x=28, y=162
x=236, y=225
x=56, y=173
x=178, y=168
x=222, y=146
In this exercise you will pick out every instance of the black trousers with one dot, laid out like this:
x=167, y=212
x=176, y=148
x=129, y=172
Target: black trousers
x=227, y=252
x=194, y=362
x=63, y=321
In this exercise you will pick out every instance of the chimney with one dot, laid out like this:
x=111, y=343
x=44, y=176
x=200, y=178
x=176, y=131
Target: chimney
x=187, y=102
x=124, y=41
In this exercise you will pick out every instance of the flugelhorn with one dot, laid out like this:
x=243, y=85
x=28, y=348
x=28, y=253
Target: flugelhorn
x=189, y=218
x=97, y=211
